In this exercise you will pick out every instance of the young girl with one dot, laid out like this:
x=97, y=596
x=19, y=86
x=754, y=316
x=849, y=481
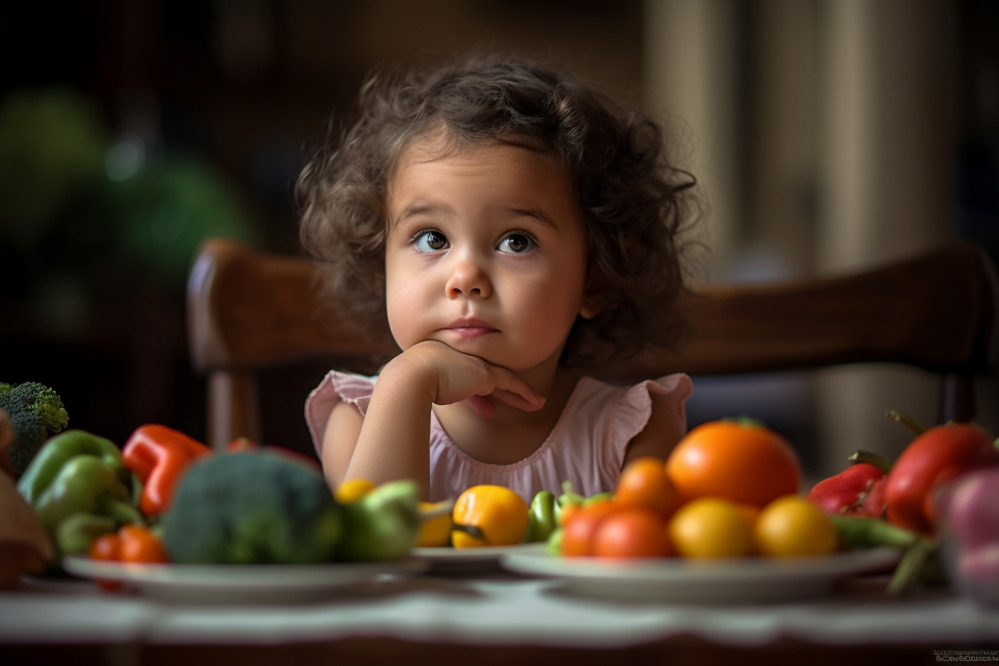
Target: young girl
x=506, y=225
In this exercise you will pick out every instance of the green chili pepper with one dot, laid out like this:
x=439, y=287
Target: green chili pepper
x=868, y=531
x=541, y=517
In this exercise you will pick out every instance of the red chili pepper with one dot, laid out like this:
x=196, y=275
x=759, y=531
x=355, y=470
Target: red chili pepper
x=158, y=455
x=935, y=457
x=857, y=490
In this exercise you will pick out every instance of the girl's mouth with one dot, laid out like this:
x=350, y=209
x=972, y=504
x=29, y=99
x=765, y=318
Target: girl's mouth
x=467, y=329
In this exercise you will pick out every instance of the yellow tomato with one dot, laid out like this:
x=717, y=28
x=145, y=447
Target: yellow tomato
x=436, y=530
x=711, y=527
x=488, y=515
x=791, y=526
x=352, y=490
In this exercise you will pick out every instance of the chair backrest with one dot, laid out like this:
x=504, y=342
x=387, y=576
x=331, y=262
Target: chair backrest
x=249, y=310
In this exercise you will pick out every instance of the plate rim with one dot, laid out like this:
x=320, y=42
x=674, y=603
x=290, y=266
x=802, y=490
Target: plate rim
x=238, y=576
x=484, y=553
x=672, y=570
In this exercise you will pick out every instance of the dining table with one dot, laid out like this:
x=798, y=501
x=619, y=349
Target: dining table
x=491, y=610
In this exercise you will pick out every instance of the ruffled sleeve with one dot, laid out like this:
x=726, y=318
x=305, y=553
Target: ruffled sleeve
x=335, y=388
x=632, y=412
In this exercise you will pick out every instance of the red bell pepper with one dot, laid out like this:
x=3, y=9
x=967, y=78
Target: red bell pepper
x=159, y=455
x=938, y=455
x=857, y=490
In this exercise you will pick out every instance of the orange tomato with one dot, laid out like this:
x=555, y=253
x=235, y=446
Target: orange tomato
x=632, y=531
x=106, y=548
x=131, y=543
x=139, y=545
x=645, y=483
x=740, y=461
x=578, y=528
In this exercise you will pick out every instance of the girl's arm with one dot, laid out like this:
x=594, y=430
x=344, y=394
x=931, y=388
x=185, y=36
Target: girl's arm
x=661, y=433
x=391, y=441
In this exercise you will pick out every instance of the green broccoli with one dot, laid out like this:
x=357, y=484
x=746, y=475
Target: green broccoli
x=251, y=508
x=36, y=412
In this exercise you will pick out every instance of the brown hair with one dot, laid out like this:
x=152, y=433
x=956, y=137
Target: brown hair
x=635, y=202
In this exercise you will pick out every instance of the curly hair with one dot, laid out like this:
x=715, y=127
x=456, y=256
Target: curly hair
x=634, y=201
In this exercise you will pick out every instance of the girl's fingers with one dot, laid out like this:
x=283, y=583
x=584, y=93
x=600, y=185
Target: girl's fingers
x=530, y=402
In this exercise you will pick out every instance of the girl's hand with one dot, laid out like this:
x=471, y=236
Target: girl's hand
x=453, y=376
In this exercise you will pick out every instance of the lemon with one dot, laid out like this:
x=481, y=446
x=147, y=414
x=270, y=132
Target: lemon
x=435, y=531
x=352, y=490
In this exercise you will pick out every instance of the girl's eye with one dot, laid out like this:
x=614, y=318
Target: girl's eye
x=516, y=244
x=430, y=241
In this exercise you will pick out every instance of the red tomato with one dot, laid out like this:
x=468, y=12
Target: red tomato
x=632, y=532
x=935, y=457
x=579, y=528
x=645, y=483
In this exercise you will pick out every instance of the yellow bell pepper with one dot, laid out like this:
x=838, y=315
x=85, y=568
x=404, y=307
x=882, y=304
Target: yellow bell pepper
x=488, y=515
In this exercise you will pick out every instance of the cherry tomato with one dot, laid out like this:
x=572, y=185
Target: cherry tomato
x=140, y=546
x=632, y=531
x=579, y=528
x=740, y=461
x=793, y=526
x=107, y=548
x=645, y=483
x=711, y=527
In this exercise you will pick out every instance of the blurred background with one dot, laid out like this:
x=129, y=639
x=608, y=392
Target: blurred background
x=826, y=134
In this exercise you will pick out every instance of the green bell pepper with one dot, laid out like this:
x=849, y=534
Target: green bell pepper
x=82, y=483
x=541, y=517
x=79, y=486
x=58, y=450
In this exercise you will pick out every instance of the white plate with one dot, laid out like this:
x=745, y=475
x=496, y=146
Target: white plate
x=465, y=559
x=240, y=583
x=748, y=580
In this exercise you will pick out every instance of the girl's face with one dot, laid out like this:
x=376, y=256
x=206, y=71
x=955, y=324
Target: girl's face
x=486, y=252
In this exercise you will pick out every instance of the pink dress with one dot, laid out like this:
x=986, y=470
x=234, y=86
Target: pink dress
x=586, y=446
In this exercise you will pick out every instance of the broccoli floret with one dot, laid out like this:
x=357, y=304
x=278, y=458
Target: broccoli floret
x=252, y=507
x=36, y=412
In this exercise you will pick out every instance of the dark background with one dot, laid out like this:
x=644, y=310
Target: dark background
x=222, y=101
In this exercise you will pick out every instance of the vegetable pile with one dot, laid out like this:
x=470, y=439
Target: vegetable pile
x=164, y=497
x=727, y=490
x=875, y=501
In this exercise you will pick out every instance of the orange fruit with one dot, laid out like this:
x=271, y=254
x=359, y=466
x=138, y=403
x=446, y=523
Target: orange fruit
x=741, y=461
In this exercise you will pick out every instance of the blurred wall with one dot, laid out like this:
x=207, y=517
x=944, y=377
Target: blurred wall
x=826, y=134
x=830, y=135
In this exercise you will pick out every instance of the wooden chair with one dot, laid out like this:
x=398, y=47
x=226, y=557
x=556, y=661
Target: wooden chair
x=248, y=311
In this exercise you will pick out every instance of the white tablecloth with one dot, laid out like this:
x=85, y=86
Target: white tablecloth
x=493, y=610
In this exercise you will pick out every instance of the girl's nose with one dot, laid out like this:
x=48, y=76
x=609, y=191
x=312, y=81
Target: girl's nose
x=468, y=279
